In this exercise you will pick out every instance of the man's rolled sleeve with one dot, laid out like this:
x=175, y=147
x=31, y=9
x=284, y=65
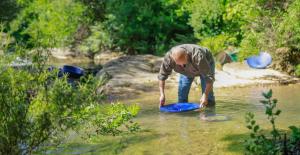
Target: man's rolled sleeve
x=210, y=76
x=165, y=68
x=206, y=63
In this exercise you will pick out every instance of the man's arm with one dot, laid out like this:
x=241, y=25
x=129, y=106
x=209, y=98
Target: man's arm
x=208, y=89
x=162, y=92
x=208, y=63
x=165, y=71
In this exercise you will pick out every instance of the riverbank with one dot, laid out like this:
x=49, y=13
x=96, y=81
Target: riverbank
x=133, y=75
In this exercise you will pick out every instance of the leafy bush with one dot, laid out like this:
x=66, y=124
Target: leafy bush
x=289, y=28
x=298, y=70
x=288, y=32
x=218, y=43
x=275, y=143
x=34, y=111
x=98, y=40
x=153, y=26
x=46, y=21
x=37, y=107
x=207, y=22
x=111, y=119
x=96, y=9
x=212, y=26
x=9, y=10
x=146, y=26
x=250, y=45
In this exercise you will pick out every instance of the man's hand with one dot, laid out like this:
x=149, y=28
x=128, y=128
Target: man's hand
x=162, y=100
x=204, y=100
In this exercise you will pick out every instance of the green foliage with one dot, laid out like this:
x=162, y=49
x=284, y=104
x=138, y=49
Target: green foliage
x=213, y=25
x=207, y=22
x=294, y=144
x=270, y=106
x=264, y=25
x=153, y=26
x=298, y=70
x=255, y=25
x=96, y=9
x=260, y=143
x=113, y=119
x=48, y=22
x=38, y=108
x=99, y=40
x=32, y=111
x=146, y=26
x=249, y=45
x=242, y=12
x=289, y=28
x=218, y=43
x=9, y=10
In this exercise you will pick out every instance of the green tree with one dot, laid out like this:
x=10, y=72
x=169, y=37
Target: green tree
x=9, y=10
x=206, y=17
x=43, y=21
x=211, y=27
x=147, y=26
x=289, y=28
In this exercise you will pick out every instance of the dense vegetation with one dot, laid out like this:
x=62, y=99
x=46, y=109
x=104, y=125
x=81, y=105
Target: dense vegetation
x=38, y=108
x=91, y=26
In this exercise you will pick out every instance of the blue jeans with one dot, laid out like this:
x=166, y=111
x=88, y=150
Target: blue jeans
x=185, y=85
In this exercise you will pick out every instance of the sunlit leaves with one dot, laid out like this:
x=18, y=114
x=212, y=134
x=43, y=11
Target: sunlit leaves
x=261, y=142
x=48, y=23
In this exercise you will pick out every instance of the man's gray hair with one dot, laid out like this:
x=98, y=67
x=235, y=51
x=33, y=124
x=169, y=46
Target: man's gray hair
x=178, y=53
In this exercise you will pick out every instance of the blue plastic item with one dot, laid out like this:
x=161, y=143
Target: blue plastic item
x=261, y=61
x=179, y=107
x=73, y=71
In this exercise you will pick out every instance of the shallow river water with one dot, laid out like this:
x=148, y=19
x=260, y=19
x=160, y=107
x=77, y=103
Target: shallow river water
x=186, y=133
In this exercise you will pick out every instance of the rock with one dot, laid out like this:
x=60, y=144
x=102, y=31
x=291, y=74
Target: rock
x=106, y=56
x=286, y=59
x=243, y=71
x=66, y=54
x=62, y=53
x=131, y=75
x=239, y=74
x=20, y=63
